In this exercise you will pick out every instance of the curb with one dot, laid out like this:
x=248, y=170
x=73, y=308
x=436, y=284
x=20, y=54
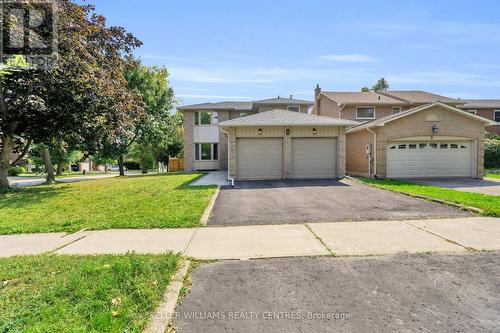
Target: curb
x=443, y=202
x=206, y=214
x=160, y=319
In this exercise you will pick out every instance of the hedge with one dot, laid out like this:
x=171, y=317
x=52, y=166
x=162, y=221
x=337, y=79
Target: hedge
x=492, y=154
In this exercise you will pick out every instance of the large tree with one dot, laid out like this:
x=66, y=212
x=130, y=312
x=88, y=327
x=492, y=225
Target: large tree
x=84, y=96
x=155, y=128
x=381, y=85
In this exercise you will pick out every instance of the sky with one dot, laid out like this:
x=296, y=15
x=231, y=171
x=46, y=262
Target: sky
x=219, y=50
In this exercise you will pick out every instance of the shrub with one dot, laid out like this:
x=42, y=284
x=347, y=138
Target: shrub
x=131, y=165
x=492, y=154
x=16, y=170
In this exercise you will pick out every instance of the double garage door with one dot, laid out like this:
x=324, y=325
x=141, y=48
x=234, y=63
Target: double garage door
x=262, y=158
x=429, y=159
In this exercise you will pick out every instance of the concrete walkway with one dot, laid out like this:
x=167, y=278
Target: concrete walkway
x=218, y=178
x=268, y=241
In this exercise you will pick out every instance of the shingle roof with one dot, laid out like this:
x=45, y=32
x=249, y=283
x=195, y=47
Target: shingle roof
x=219, y=106
x=281, y=100
x=286, y=118
x=418, y=96
x=481, y=103
x=361, y=98
x=382, y=121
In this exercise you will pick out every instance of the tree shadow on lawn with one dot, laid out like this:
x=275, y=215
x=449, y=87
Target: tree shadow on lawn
x=20, y=197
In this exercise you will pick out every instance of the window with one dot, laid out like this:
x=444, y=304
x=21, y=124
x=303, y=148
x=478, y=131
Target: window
x=365, y=113
x=472, y=111
x=443, y=146
x=294, y=108
x=496, y=115
x=412, y=146
x=422, y=145
x=396, y=110
x=205, y=118
x=243, y=114
x=401, y=146
x=453, y=145
x=206, y=151
x=433, y=145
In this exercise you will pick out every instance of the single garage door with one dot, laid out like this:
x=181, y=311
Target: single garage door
x=314, y=157
x=259, y=158
x=429, y=159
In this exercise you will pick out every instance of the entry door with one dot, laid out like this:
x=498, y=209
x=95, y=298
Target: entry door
x=259, y=158
x=429, y=159
x=314, y=157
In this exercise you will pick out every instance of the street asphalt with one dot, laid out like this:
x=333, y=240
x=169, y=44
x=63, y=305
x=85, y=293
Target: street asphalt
x=402, y=293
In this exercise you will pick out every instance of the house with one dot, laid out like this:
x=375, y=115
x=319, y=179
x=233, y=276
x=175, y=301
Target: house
x=407, y=134
x=205, y=145
x=396, y=134
x=487, y=108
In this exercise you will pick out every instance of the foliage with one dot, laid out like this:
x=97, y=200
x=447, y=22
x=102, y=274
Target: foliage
x=84, y=97
x=492, y=173
x=490, y=204
x=16, y=171
x=132, y=165
x=108, y=293
x=365, y=89
x=156, y=201
x=381, y=85
x=492, y=154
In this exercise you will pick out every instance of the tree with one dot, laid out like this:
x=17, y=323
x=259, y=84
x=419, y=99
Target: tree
x=365, y=89
x=151, y=83
x=381, y=85
x=84, y=97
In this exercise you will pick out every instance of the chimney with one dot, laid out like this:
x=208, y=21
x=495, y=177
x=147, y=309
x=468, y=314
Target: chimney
x=317, y=91
x=291, y=96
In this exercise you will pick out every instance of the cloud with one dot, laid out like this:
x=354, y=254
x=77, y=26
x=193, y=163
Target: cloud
x=209, y=96
x=349, y=58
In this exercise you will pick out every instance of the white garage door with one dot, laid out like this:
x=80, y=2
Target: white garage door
x=429, y=159
x=314, y=157
x=259, y=158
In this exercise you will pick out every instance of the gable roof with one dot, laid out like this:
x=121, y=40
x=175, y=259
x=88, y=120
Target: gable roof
x=361, y=98
x=480, y=104
x=419, y=96
x=281, y=100
x=240, y=106
x=387, y=119
x=286, y=118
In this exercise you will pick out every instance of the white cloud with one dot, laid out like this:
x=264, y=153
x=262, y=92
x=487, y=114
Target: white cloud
x=349, y=58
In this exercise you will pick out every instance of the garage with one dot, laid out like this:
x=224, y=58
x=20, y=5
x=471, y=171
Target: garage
x=314, y=157
x=422, y=159
x=259, y=158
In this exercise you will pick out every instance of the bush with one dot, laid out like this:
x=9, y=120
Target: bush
x=16, y=170
x=492, y=154
x=131, y=165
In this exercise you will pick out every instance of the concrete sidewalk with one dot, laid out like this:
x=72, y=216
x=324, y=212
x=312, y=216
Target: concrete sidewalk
x=268, y=241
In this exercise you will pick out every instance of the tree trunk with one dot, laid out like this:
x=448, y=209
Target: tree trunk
x=60, y=168
x=51, y=179
x=120, y=165
x=144, y=163
x=7, y=147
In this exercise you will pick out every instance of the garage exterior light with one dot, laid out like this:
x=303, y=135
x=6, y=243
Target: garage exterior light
x=434, y=128
x=260, y=131
x=314, y=130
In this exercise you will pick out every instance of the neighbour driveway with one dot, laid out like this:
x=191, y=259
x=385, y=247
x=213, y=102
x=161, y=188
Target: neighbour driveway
x=404, y=293
x=305, y=201
x=486, y=186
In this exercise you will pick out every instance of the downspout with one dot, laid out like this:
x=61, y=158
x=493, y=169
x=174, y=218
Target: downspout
x=374, y=153
x=228, y=174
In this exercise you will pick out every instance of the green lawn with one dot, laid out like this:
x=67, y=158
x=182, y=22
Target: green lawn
x=490, y=204
x=82, y=293
x=155, y=201
x=72, y=174
x=492, y=173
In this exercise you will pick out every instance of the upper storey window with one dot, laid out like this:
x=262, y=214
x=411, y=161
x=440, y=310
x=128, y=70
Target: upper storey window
x=365, y=113
x=205, y=118
x=294, y=108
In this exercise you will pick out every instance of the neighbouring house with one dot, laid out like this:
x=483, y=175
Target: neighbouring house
x=205, y=145
x=487, y=108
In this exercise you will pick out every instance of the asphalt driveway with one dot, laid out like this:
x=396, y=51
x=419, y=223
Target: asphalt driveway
x=404, y=293
x=484, y=186
x=308, y=201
